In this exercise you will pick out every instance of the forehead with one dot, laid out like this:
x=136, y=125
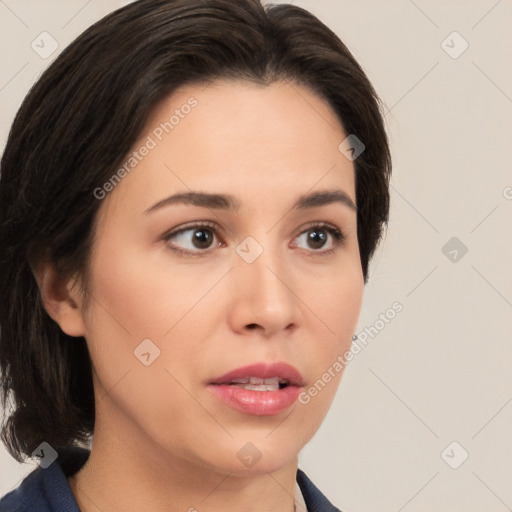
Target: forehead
x=249, y=139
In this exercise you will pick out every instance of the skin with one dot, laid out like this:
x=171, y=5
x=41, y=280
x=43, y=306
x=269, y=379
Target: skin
x=162, y=440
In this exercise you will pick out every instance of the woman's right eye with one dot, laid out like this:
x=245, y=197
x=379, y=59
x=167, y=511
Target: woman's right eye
x=196, y=239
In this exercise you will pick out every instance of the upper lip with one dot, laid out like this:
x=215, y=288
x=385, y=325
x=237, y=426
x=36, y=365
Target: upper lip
x=264, y=371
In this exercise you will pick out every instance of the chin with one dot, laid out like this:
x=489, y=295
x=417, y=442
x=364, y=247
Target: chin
x=246, y=460
x=260, y=468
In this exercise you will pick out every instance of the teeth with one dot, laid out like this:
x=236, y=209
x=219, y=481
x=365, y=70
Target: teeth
x=258, y=380
x=259, y=384
x=259, y=387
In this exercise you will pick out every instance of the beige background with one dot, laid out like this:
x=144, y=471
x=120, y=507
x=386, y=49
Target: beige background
x=440, y=370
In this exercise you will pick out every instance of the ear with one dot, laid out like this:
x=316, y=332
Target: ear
x=61, y=299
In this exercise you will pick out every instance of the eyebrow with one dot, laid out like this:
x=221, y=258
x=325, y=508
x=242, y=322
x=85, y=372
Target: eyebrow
x=229, y=202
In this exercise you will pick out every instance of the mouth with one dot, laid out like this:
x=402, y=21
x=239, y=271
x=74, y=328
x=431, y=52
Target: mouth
x=259, y=389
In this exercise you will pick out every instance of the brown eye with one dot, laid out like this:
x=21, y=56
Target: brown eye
x=192, y=239
x=317, y=236
x=202, y=238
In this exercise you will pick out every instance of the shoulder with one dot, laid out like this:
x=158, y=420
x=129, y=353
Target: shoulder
x=313, y=497
x=29, y=496
x=46, y=490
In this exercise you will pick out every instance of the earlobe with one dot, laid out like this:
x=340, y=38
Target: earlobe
x=61, y=299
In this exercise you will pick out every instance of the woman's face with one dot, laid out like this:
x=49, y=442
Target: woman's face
x=182, y=293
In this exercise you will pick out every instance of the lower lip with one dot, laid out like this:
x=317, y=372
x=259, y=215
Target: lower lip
x=259, y=403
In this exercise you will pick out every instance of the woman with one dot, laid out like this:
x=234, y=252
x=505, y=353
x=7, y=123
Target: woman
x=190, y=198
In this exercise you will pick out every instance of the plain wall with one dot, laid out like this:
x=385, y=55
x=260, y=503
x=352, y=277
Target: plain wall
x=439, y=371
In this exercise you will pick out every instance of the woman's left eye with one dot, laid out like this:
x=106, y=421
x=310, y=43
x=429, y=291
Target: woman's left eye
x=204, y=233
x=316, y=236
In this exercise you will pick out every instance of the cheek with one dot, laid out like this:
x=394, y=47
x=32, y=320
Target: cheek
x=336, y=311
x=126, y=307
x=143, y=295
x=131, y=303
x=136, y=298
x=336, y=301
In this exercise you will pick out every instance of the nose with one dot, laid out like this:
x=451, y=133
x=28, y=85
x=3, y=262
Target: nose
x=263, y=296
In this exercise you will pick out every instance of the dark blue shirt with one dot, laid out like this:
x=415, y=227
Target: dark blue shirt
x=47, y=490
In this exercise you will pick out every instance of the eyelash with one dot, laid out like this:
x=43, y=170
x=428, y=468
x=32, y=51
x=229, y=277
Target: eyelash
x=336, y=233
